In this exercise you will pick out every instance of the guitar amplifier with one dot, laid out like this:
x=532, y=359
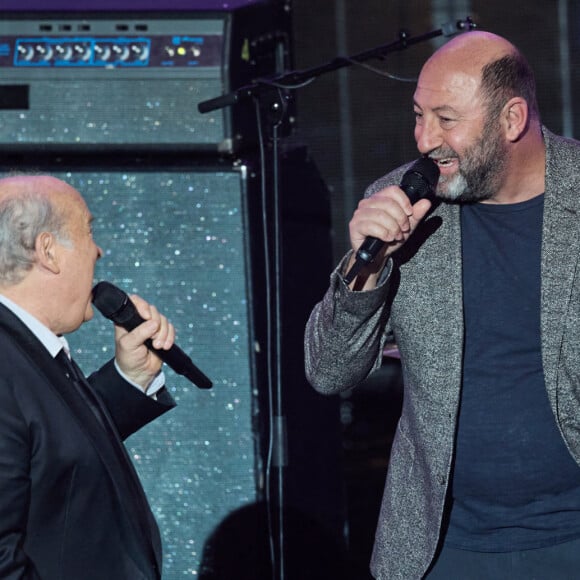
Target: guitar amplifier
x=134, y=80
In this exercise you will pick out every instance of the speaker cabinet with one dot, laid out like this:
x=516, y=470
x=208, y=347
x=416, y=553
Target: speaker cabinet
x=188, y=237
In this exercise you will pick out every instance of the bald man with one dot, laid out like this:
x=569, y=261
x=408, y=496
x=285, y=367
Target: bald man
x=478, y=289
x=71, y=505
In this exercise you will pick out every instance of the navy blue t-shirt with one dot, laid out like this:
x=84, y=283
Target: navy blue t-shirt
x=515, y=485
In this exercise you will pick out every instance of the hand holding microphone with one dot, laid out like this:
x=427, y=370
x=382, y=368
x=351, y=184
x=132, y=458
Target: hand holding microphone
x=115, y=304
x=418, y=182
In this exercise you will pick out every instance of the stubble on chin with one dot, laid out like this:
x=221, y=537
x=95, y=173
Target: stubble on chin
x=451, y=188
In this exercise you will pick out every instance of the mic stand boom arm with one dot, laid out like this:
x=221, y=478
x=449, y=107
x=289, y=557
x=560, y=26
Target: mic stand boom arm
x=296, y=79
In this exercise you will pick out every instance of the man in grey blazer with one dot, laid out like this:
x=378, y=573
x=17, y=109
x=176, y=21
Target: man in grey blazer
x=71, y=504
x=480, y=289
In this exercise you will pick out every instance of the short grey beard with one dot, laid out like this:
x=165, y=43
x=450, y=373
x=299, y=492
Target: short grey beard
x=454, y=187
x=482, y=184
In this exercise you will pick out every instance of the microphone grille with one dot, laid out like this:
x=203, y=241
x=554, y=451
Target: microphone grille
x=108, y=299
x=421, y=178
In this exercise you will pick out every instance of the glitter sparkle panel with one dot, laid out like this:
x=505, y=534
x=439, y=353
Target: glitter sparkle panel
x=178, y=240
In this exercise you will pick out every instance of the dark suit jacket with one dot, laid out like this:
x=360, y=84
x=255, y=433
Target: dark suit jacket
x=71, y=505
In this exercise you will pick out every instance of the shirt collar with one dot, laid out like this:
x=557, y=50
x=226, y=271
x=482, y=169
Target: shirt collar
x=51, y=341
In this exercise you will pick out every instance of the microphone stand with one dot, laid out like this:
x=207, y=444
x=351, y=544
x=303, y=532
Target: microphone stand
x=271, y=98
x=297, y=79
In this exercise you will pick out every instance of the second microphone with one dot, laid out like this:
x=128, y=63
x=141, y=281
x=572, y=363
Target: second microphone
x=419, y=181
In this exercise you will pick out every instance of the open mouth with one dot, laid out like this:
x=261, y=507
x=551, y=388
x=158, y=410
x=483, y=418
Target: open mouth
x=447, y=162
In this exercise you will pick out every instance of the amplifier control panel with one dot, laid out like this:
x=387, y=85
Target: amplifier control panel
x=134, y=80
x=111, y=51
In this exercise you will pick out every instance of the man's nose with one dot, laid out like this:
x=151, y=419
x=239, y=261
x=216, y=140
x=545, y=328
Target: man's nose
x=428, y=136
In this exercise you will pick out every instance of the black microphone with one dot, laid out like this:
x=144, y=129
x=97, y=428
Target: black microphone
x=116, y=305
x=419, y=181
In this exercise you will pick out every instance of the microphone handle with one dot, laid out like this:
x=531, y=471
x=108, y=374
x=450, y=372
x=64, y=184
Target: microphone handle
x=364, y=256
x=369, y=249
x=175, y=358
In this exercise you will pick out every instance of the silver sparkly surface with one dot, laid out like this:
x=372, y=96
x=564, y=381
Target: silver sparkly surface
x=111, y=111
x=176, y=239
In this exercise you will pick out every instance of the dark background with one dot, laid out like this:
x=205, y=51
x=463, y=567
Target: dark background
x=357, y=124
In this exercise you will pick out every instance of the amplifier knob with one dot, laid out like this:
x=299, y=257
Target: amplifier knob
x=44, y=52
x=63, y=52
x=121, y=52
x=103, y=52
x=25, y=52
x=82, y=52
x=139, y=52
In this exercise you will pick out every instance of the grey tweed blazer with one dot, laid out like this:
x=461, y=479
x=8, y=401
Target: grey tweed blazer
x=420, y=305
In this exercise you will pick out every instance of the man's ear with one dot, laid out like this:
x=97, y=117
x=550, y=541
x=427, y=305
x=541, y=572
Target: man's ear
x=47, y=253
x=515, y=118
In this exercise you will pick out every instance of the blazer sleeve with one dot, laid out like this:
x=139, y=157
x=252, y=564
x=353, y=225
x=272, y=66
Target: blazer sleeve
x=129, y=408
x=346, y=331
x=345, y=334
x=15, y=458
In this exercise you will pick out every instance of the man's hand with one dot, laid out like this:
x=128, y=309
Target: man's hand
x=136, y=361
x=389, y=216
